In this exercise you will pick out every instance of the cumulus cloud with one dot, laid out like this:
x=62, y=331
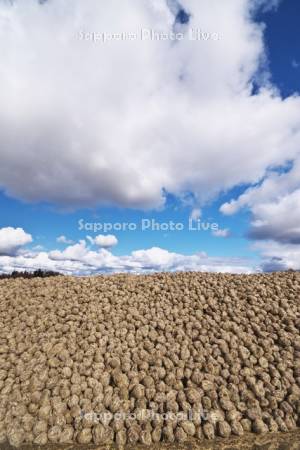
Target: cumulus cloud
x=278, y=256
x=63, y=240
x=103, y=240
x=12, y=239
x=275, y=205
x=275, y=208
x=279, y=220
x=74, y=252
x=86, y=123
x=79, y=259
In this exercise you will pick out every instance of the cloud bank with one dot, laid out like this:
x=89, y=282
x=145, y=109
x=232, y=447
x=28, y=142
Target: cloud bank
x=81, y=259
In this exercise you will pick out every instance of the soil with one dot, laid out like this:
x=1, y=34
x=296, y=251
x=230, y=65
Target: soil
x=270, y=441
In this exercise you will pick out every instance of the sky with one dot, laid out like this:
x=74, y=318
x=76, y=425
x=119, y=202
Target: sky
x=149, y=135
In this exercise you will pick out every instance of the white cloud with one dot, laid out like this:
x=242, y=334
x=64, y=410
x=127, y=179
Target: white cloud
x=63, y=240
x=105, y=241
x=12, y=239
x=221, y=232
x=275, y=208
x=278, y=220
x=278, y=256
x=79, y=259
x=74, y=252
x=85, y=123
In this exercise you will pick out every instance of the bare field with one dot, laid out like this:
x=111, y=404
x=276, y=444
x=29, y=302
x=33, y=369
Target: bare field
x=186, y=360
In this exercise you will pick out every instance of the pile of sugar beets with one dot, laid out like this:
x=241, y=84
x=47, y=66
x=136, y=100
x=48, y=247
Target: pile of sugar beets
x=164, y=357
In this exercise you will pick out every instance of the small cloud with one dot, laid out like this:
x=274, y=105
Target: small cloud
x=221, y=233
x=229, y=208
x=104, y=241
x=195, y=214
x=295, y=64
x=63, y=240
x=12, y=239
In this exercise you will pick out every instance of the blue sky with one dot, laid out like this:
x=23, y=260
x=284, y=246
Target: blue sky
x=47, y=223
x=126, y=131
x=282, y=40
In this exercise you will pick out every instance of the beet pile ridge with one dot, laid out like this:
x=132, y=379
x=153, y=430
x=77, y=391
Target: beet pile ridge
x=146, y=359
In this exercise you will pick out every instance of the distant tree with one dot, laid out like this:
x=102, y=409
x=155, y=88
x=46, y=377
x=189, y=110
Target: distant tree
x=36, y=274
